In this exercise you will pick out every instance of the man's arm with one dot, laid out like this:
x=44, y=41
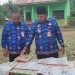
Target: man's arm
x=30, y=37
x=59, y=36
x=4, y=40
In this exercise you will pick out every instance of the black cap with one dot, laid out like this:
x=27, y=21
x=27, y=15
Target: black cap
x=41, y=10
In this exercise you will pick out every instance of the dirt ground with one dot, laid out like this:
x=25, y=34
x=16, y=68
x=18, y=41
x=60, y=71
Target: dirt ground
x=69, y=39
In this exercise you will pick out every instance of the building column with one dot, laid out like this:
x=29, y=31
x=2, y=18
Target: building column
x=67, y=9
x=24, y=14
x=49, y=11
x=33, y=13
x=67, y=12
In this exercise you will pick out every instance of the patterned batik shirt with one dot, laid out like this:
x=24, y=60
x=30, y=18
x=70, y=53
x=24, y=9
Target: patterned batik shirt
x=47, y=35
x=14, y=36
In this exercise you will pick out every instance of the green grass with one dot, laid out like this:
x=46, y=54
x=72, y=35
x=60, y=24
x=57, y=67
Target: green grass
x=0, y=27
x=60, y=22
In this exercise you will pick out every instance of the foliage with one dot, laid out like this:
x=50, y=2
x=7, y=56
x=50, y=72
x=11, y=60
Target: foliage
x=71, y=21
x=60, y=22
x=6, y=10
x=72, y=7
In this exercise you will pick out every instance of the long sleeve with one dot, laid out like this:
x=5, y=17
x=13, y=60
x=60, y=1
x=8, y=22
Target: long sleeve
x=58, y=34
x=30, y=37
x=27, y=30
x=4, y=37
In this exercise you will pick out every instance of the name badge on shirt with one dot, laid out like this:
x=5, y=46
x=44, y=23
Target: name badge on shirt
x=22, y=34
x=49, y=34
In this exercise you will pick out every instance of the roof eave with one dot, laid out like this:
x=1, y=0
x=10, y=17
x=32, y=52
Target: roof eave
x=35, y=3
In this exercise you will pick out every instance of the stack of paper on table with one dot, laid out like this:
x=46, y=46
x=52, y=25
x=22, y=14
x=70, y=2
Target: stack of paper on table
x=54, y=61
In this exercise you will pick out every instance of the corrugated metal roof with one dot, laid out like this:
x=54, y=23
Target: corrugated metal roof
x=24, y=2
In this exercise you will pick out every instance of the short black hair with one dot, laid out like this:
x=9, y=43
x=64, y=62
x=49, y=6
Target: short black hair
x=41, y=10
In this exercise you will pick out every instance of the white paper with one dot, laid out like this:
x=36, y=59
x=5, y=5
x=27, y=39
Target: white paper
x=57, y=71
x=29, y=66
x=58, y=61
x=26, y=65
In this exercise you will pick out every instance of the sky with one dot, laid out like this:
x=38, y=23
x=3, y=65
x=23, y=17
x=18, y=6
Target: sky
x=3, y=1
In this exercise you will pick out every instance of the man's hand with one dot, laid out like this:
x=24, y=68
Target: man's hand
x=62, y=49
x=5, y=52
x=25, y=51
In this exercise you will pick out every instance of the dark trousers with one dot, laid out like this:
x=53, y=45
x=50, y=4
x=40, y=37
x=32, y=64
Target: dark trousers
x=55, y=55
x=12, y=57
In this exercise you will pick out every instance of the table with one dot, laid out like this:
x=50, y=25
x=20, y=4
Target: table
x=13, y=67
x=26, y=72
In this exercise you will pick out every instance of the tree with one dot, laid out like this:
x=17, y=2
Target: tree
x=72, y=7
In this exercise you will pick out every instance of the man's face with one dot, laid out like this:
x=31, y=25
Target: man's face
x=42, y=17
x=16, y=17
